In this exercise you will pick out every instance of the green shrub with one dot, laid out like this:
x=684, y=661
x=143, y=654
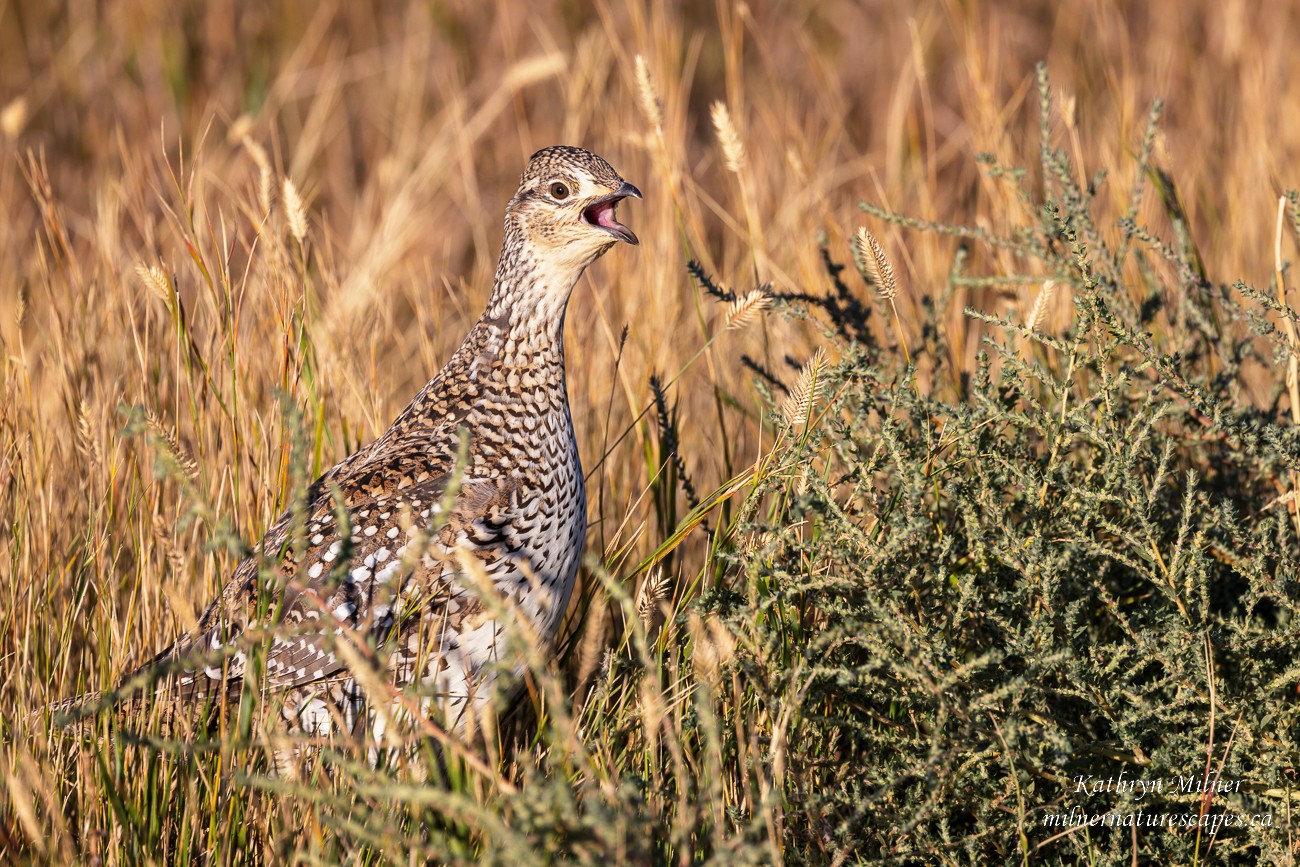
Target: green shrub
x=1079, y=568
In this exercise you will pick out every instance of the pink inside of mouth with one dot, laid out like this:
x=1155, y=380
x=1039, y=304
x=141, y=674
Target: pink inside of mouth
x=602, y=214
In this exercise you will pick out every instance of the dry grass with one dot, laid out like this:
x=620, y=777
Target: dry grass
x=210, y=205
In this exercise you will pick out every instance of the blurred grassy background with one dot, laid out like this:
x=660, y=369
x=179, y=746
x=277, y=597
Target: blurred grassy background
x=163, y=134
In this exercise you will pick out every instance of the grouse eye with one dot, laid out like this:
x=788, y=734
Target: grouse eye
x=559, y=191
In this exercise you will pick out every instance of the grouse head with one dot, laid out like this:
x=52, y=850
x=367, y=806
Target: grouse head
x=567, y=202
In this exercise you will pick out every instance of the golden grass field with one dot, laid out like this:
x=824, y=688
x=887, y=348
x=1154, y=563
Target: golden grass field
x=209, y=205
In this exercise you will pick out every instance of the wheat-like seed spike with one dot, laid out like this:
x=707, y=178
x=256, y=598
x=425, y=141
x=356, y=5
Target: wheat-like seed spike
x=606, y=661
x=651, y=705
x=13, y=117
x=759, y=542
x=645, y=89
x=653, y=589
x=186, y=463
x=1285, y=499
x=704, y=659
x=733, y=149
x=724, y=641
x=797, y=165
x=713, y=647
x=294, y=212
x=1069, y=105
x=165, y=544
x=86, y=433
x=1039, y=311
x=593, y=642
x=872, y=261
x=266, y=179
x=797, y=408
x=743, y=310
x=155, y=280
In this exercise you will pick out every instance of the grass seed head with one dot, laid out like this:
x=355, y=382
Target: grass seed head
x=294, y=212
x=86, y=439
x=746, y=308
x=171, y=445
x=156, y=281
x=1039, y=311
x=649, y=99
x=13, y=117
x=799, y=405
x=593, y=642
x=873, y=263
x=653, y=589
x=733, y=149
x=266, y=177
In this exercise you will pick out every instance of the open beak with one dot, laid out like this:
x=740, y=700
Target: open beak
x=600, y=213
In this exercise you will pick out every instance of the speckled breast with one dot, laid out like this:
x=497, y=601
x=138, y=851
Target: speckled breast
x=528, y=543
x=530, y=548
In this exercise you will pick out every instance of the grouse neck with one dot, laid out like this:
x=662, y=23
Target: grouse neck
x=530, y=293
x=514, y=340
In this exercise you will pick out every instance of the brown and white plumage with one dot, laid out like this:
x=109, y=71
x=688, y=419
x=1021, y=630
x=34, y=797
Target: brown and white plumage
x=374, y=553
